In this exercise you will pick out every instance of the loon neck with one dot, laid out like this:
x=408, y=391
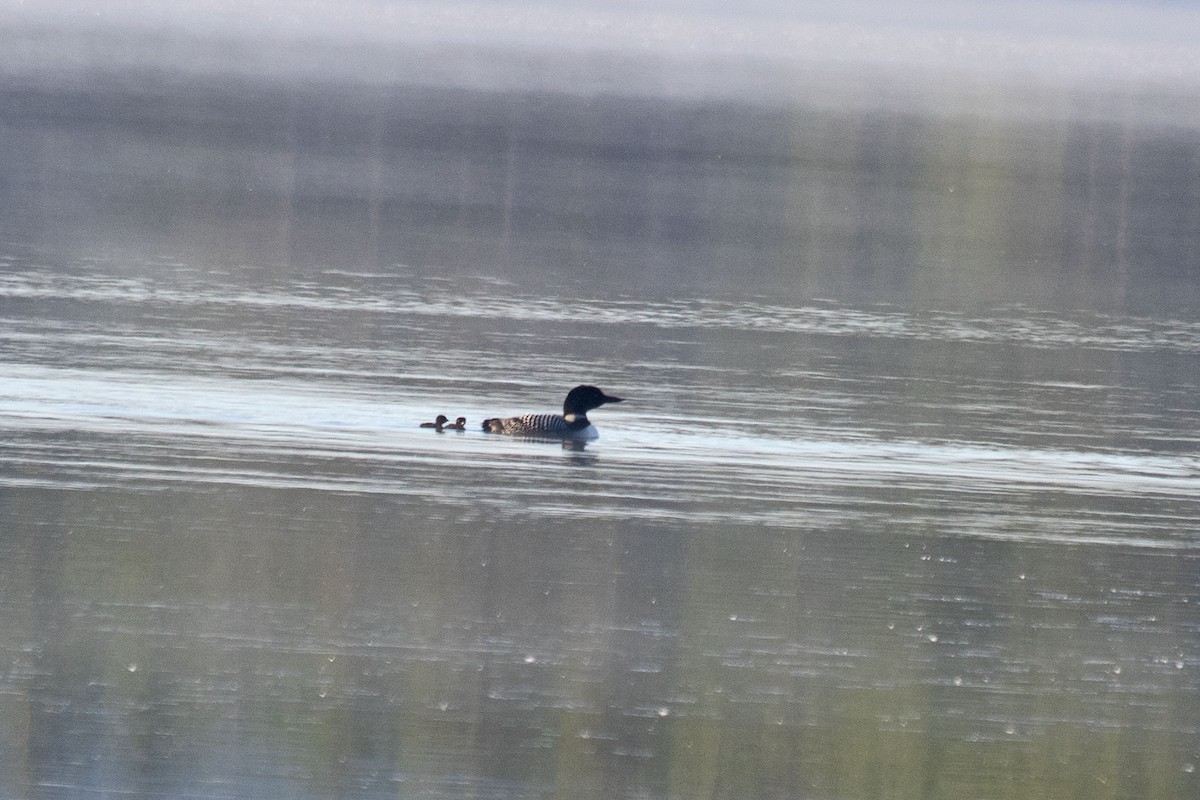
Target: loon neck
x=577, y=420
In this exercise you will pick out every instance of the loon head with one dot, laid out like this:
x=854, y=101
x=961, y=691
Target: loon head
x=583, y=399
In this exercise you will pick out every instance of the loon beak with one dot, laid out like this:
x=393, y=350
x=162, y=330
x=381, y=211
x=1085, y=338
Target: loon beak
x=609, y=399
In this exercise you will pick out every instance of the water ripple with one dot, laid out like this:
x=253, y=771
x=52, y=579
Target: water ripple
x=1026, y=327
x=143, y=431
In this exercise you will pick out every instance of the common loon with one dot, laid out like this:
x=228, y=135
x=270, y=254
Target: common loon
x=437, y=423
x=573, y=424
x=459, y=424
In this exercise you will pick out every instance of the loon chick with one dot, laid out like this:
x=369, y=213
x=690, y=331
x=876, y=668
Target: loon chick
x=437, y=423
x=459, y=424
x=573, y=424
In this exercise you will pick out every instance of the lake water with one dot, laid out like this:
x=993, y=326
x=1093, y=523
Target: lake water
x=904, y=501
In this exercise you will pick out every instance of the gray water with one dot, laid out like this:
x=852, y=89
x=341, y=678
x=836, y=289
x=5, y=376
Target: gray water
x=904, y=501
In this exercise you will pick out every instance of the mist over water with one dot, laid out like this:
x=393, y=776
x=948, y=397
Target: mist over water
x=902, y=501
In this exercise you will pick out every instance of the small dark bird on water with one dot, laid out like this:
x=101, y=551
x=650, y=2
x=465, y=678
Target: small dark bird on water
x=459, y=424
x=437, y=424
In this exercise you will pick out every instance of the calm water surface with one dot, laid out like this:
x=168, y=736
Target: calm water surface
x=904, y=502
